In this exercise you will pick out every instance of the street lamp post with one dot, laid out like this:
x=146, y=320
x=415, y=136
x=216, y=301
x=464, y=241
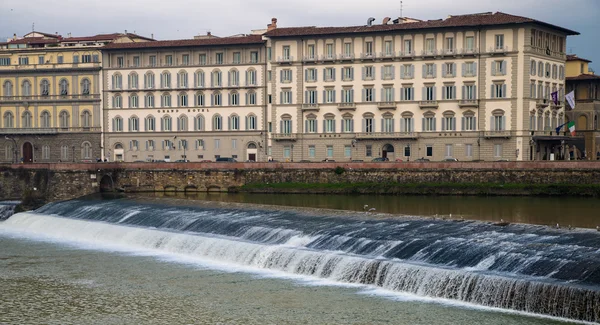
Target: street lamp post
x=14, y=146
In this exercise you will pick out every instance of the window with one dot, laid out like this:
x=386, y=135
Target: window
x=149, y=101
x=182, y=123
x=23, y=61
x=369, y=125
x=469, y=92
x=64, y=87
x=117, y=101
x=329, y=51
x=132, y=81
x=133, y=101
x=387, y=94
x=388, y=48
x=369, y=73
x=541, y=69
x=369, y=150
x=64, y=119
x=429, y=149
x=329, y=151
x=311, y=151
x=499, y=42
x=329, y=96
x=328, y=74
x=287, y=152
x=407, y=125
x=166, y=123
x=348, y=50
x=497, y=150
x=429, y=93
x=169, y=60
x=430, y=45
x=149, y=80
x=233, y=78
x=532, y=90
x=117, y=124
x=561, y=73
x=202, y=59
x=498, y=68
x=6, y=61
x=234, y=145
x=182, y=100
x=533, y=67
x=199, y=145
x=469, y=69
x=329, y=125
x=199, y=123
x=449, y=151
x=217, y=123
x=165, y=100
x=347, y=73
x=134, y=124
x=149, y=124
x=311, y=96
x=368, y=94
x=199, y=79
x=469, y=44
x=46, y=152
x=286, y=97
x=76, y=59
x=136, y=61
x=347, y=95
x=547, y=70
x=449, y=44
x=168, y=145
x=408, y=47
x=251, y=98
x=64, y=153
x=428, y=124
x=133, y=145
x=449, y=92
x=182, y=79
x=498, y=123
x=499, y=90
x=120, y=61
x=150, y=145
x=311, y=125
x=368, y=48
x=388, y=72
x=41, y=59
x=387, y=124
x=449, y=70
x=216, y=79
x=8, y=120
x=554, y=71
x=286, y=75
x=286, y=53
x=216, y=99
x=286, y=126
x=85, y=86
x=251, y=77
x=407, y=150
x=468, y=150
x=468, y=123
x=45, y=119
x=251, y=122
x=165, y=80
x=152, y=60
x=234, y=99
x=311, y=75
x=45, y=87
x=429, y=70
x=347, y=124
x=253, y=57
x=448, y=123
x=26, y=119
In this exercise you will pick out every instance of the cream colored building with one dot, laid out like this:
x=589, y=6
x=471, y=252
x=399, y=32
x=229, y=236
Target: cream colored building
x=197, y=99
x=471, y=87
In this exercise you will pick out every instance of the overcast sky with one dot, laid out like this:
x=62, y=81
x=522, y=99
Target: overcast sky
x=174, y=19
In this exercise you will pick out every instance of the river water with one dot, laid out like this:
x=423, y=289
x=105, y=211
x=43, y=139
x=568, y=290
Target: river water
x=172, y=261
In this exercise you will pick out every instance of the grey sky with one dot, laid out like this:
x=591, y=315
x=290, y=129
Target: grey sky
x=186, y=18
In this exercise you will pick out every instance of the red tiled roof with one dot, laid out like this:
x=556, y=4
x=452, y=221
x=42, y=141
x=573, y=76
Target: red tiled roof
x=103, y=37
x=45, y=34
x=584, y=77
x=483, y=19
x=34, y=40
x=251, y=39
x=574, y=57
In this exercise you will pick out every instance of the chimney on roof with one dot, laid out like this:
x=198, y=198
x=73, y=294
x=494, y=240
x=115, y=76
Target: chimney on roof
x=370, y=21
x=208, y=33
x=386, y=20
x=272, y=25
x=152, y=36
x=69, y=35
x=126, y=31
x=14, y=36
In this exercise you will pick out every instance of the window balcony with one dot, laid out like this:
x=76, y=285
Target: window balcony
x=52, y=66
x=386, y=135
x=347, y=106
x=310, y=58
x=424, y=104
x=310, y=107
x=472, y=51
x=285, y=59
x=558, y=105
x=328, y=57
x=368, y=56
x=497, y=134
x=468, y=103
x=386, y=105
x=284, y=136
x=429, y=53
x=386, y=55
x=498, y=50
x=406, y=54
x=346, y=57
x=542, y=103
x=42, y=131
x=49, y=98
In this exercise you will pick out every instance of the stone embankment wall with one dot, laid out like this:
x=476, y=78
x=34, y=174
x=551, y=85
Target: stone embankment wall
x=52, y=182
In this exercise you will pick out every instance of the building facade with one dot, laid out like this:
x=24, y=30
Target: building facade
x=471, y=87
x=198, y=99
x=50, y=97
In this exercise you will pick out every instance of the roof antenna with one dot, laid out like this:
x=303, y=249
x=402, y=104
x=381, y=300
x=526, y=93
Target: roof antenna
x=401, y=9
x=33, y=27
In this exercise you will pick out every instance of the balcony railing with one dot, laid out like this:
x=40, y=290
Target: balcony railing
x=542, y=103
x=366, y=56
x=406, y=54
x=347, y=56
x=544, y=51
x=48, y=98
x=328, y=57
x=554, y=105
x=386, y=135
x=468, y=103
x=310, y=107
x=497, y=134
x=285, y=59
x=386, y=105
x=310, y=58
x=284, y=136
x=48, y=130
x=52, y=66
x=428, y=104
x=503, y=49
x=347, y=106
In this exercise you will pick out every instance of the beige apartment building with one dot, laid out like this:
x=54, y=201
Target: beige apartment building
x=197, y=99
x=470, y=87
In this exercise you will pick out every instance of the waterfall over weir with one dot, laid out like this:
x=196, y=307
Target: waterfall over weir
x=525, y=268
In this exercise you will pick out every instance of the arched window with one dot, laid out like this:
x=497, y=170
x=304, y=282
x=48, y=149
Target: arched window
x=134, y=124
x=540, y=69
x=86, y=119
x=117, y=81
x=448, y=121
x=498, y=120
x=165, y=100
x=199, y=144
x=8, y=88
x=134, y=101
x=26, y=88
x=149, y=123
x=182, y=100
x=251, y=98
x=63, y=117
x=182, y=123
x=233, y=78
x=149, y=80
x=216, y=79
x=45, y=152
x=117, y=124
x=310, y=124
x=165, y=80
x=554, y=71
x=9, y=120
x=9, y=152
x=200, y=99
x=216, y=99
x=199, y=123
x=199, y=80
x=182, y=79
x=251, y=77
x=85, y=86
x=251, y=122
x=45, y=119
x=86, y=150
x=149, y=101
x=132, y=80
x=64, y=87
x=217, y=124
x=547, y=70
x=64, y=152
x=234, y=98
x=233, y=123
x=26, y=119
x=165, y=123
x=285, y=125
x=117, y=101
x=45, y=88
x=533, y=67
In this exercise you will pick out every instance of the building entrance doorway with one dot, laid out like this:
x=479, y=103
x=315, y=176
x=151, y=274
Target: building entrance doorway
x=27, y=153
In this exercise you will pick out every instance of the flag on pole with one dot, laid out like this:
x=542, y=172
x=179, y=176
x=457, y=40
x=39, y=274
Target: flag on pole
x=570, y=97
x=560, y=127
x=555, y=97
x=571, y=127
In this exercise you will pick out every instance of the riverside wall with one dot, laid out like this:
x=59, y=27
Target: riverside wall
x=62, y=181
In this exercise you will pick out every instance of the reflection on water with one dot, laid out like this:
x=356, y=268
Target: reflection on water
x=577, y=212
